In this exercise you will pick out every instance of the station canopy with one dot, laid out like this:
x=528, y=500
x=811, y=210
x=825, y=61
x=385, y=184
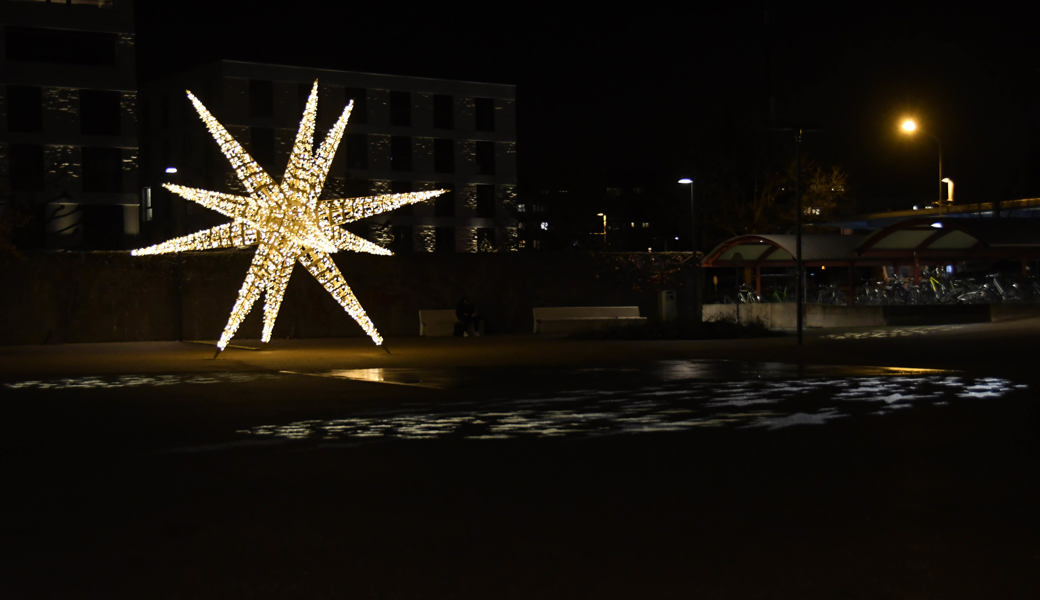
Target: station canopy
x=912, y=241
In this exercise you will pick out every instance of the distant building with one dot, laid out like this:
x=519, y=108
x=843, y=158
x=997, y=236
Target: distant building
x=404, y=134
x=68, y=123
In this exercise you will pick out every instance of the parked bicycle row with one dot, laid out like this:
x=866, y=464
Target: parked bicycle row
x=936, y=287
x=933, y=287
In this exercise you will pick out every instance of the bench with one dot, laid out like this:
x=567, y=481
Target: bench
x=572, y=319
x=435, y=322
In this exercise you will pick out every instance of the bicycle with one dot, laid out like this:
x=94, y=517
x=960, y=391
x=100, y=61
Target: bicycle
x=830, y=294
x=746, y=295
x=779, y=294
x=935, y=290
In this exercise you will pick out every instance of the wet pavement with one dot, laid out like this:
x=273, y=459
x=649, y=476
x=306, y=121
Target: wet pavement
x=873, y=463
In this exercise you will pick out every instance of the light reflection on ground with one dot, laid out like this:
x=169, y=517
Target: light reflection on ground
x=891, y=332
x=664, y=396
x=133, y=381
x=668, y=406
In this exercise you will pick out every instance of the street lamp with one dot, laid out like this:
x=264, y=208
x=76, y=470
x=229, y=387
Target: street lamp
x=693, y=237
x=910, y=128
x=949, y=189
x=604, y=227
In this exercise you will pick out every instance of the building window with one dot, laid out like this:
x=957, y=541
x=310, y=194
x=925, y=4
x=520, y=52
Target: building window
x=444, y=240
x=485, y=239
x=102, y=226
x=443, y=112
x=443, y=156
x=444, y=205
x=484, y=111
x=261, y=146
x=358, y=114
x=485, y=201
x=303, y=91
x=402, y=187
x=485, y=156
x=402, y=243
x=261, y=98
x=61, y=46
x=401, y=109
x=400, y=153
x=357, y=151
x=99, y=112
x=26, y=167
x=356, y=187
x=24, y=108
x=102, y=170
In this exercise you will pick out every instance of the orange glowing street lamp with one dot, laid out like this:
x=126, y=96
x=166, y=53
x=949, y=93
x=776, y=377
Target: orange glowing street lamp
x=910, y=128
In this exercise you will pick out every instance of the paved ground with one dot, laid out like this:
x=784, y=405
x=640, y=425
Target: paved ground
x=123, y=477
x=1003, y=346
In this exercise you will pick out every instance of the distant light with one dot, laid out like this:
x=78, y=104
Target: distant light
x=544, y=226
x=937, y=225
x=171, y=170
x=915, y=207
x=685, y=181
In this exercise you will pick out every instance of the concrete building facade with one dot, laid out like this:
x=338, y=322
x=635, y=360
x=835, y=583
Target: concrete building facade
x=404, y=134
x=69, y=148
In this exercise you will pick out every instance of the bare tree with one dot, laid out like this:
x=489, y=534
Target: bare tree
x=773, y=205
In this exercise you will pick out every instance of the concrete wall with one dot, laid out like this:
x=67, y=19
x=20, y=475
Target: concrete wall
x=112, y=296
x=780, y=316
x=783, y=315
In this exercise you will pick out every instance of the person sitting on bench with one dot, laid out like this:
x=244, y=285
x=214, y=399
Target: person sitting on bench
x=468, y=321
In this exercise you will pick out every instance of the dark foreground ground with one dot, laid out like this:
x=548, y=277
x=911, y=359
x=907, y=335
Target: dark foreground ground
x=116, y=488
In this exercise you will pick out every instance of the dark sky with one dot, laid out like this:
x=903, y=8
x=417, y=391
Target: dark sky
x=652, y=94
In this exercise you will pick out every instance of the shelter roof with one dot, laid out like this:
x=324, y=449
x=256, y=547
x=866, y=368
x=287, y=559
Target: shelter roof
x=909, y=240
x=780, y=250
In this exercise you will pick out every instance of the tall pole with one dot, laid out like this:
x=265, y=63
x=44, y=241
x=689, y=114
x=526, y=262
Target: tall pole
x=910, y=127
x=693, y=231
x=939, y=144
x=799, y=134
x=799, y=271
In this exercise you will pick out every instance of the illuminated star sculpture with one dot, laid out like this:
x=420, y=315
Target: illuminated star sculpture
x=286, y=221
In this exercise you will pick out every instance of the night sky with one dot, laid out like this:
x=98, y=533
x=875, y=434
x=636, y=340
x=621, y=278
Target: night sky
x=645, y=97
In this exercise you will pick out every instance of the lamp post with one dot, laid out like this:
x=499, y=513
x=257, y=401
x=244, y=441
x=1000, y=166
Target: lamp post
x=693, y=236
x=910, y=128
x=604, y=228
x=949, y=189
